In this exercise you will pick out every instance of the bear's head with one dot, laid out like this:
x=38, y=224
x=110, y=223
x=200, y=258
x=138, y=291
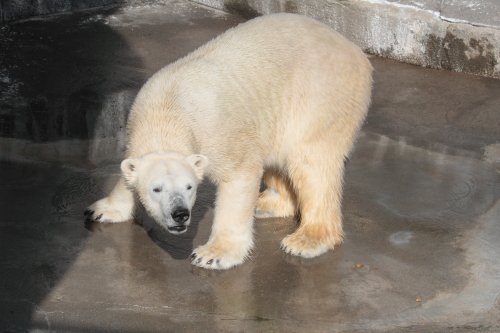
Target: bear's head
x=166, y=185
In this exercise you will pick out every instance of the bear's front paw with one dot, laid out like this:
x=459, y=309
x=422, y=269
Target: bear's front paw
x=218, y=255
x=300, y=244
x=104, y=212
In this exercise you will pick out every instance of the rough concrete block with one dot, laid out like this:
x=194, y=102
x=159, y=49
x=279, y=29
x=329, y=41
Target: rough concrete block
x=480, y=13
x=405, y=30
x=19, y=9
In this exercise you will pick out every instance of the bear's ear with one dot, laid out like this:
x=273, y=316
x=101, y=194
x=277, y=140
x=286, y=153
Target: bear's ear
x=198, y=163
x=129, y=170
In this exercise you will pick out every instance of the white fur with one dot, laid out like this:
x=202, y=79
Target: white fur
x=165, y=181
x=282, y=93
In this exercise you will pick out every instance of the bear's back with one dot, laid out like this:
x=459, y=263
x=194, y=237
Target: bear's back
x=280, y=38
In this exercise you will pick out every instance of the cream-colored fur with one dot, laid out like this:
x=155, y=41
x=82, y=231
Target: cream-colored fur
x=278, y=199
x=280, y=92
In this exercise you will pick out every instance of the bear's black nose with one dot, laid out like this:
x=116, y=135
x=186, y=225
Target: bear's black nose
x=180, y=215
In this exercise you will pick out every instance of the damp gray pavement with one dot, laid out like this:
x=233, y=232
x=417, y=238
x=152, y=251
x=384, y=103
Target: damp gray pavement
x=421, y=204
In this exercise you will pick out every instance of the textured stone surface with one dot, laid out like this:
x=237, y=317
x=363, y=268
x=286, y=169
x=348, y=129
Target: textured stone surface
x=18, y=9
x=430, y=33
x=481, y=13
x=458, y=35
x=421, y=204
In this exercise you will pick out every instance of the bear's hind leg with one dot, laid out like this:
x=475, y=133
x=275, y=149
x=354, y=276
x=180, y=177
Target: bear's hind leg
x=316, y=174
x=278, y=199
x=232, y=231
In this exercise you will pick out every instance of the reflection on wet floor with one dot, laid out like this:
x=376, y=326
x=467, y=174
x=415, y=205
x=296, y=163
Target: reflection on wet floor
x=421, y=205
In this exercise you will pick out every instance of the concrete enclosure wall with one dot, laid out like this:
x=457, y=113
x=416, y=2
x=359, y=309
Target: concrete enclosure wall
x=458, y=35
x=19, y=9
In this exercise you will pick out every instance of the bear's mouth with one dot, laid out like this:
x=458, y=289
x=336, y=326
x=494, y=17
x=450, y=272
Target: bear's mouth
x=178, y=229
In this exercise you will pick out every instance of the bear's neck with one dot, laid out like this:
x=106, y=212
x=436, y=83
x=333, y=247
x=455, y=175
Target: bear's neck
x=156, y=137
x=157, y=123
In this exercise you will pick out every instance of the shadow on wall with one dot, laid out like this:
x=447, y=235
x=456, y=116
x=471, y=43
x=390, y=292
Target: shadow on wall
x=66, y=84
x=18, y=9
x=252, y=9
x=56, y=76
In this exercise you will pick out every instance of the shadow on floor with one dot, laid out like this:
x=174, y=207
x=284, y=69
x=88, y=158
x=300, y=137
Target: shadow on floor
x=66, y=86
x=66, y=83
x=181, y=246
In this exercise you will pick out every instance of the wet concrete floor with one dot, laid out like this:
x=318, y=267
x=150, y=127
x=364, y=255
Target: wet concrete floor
x=421, y=204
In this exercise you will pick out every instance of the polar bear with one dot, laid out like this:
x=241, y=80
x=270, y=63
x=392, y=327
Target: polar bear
x=281, y=97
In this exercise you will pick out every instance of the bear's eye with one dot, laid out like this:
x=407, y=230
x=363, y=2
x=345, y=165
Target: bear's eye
x=189, y=187
x=157, y=189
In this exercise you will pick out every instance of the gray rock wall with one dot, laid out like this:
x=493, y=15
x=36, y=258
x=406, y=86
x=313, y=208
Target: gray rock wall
x=19, y=9
x=457, y=35
x=462, y=36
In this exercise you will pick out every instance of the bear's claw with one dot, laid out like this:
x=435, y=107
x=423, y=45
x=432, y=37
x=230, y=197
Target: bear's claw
x=288, y=250
x=216, y=257
x=103, y=211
